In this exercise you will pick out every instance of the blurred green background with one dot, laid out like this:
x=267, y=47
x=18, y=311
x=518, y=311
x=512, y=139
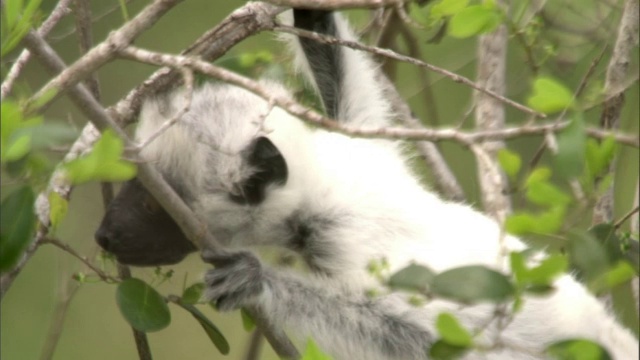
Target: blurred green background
x=93, y=327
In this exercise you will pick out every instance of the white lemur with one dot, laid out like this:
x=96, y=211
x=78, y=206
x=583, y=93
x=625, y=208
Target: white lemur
x=261, y=177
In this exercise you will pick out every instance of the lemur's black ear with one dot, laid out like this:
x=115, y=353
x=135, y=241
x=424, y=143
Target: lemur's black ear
x=271, y=168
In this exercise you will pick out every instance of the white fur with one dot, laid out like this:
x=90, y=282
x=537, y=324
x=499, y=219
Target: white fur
x=379, y=210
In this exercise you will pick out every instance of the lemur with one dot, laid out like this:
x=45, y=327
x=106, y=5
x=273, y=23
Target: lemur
x=259, y=176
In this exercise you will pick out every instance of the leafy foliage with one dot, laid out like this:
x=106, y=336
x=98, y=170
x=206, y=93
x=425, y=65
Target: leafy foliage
x=193, y=293
x=214, y=334
x=577, y=349
x=102, y=163
x=475, y=20
x=413, y=277
x=16, y=132
x=510, y=163
x=18, y=17
x=472, y=284
x=452, y=332
x=549, y=96
x=17, y=225
x=142, y=306
x=313, y=352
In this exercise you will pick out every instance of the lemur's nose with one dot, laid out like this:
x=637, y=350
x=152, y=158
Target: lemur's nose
x=103, y=238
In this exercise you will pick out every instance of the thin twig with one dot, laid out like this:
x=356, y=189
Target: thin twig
x=68, y=249
x=313, y=117
x=635, y=221
x=188, y=96
x=59, y=314
x=59, y=11
x=104, y=52
x=393, y=55
x=626, y=217
x=64, y=33
x=336, y=4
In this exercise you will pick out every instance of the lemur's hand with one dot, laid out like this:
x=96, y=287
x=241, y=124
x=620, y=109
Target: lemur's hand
x=237, y=280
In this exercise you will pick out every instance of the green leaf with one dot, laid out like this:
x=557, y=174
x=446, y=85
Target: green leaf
x=519, y=267
x=606, y=234
x=103, y=163
x=577, y=349
x=193, y=293
x=249, y=60
x=42, y=100
x=51, y=134
x=12, y=10
x=413, y=277
x=16, y=132
x=19, y=19
x=569, y=161
x=620, y=273
x=547, y=194
x=447, y=8
x=548, y=270
x=547, y=222
x=17, y=225
x=549, y=96
x=417, y=13
x=57, y=208
x=441, y=350
x=452, y=332
x=587, y=255
x=599, y=156
x=474, y=20
x=313, y=352
x=247, y=321
x=142, y=306
x=539, y=174
x=470, y=284
x=212, y=331
x=510, y=163
x=17, y=148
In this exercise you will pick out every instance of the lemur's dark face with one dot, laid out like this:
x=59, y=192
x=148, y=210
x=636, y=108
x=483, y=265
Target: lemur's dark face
x=138, y=231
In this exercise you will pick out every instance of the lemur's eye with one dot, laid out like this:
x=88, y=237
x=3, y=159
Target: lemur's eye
x=271, y=168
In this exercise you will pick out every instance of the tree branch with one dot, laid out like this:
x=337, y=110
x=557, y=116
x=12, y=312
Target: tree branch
x=393, y=55
x=104, y=51
x=68, y=249
x=492, y=57
x=336, y=4
x=617, y=72
x=59, y=11
x=84, y=30
x=314, y=118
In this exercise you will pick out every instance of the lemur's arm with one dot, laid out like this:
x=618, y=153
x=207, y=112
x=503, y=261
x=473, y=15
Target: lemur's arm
x=347, y=326
x=345, y=78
